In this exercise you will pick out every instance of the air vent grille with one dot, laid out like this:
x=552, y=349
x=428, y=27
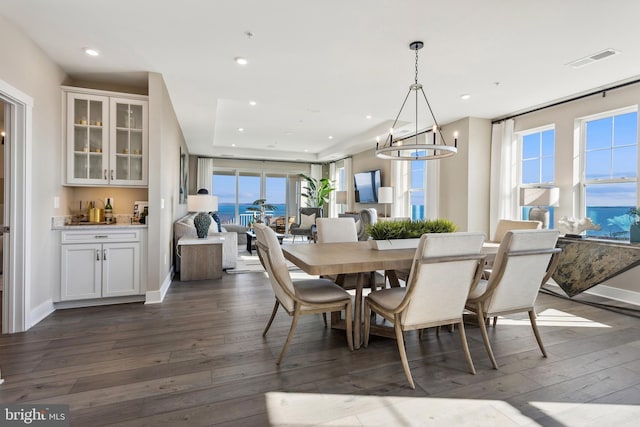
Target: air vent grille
x=593, y=58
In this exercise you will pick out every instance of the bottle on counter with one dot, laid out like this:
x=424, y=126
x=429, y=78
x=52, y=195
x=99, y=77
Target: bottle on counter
x=108, y=212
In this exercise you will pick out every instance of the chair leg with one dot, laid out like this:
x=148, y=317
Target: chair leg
x=485, y=337
x=367, y=322
x=403, y=353
x=495, y=320
x=324, y=317
x=465, y=347
x=273, y=315
x=294, y=323
x=349, y=326
x=534, y=325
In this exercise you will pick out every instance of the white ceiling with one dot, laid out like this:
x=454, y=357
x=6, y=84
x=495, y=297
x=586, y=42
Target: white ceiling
x=318, y=68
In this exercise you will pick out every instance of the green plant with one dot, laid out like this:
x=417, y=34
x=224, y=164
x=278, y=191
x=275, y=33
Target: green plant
x=407, y=229
x=317, y=192
x=635, y=214
x=261, y=206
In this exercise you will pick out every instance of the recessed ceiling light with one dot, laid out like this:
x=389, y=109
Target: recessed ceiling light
x=240, y=129
x=91, y=52
x=306, y=151
x=233, y=145
x=252, y=103
x=465, y=96
x=330, y=137
x=242, y=61
x=368, y=116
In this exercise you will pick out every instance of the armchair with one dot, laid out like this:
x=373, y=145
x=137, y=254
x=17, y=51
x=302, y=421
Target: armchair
x=368, y=216
x=305, y=222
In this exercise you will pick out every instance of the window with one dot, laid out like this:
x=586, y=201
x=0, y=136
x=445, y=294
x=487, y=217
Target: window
x=224, y=186
x=537, y=162
x=418, y=188
x=610, y=171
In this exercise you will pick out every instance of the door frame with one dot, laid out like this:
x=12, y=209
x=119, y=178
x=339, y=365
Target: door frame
x=17, y=211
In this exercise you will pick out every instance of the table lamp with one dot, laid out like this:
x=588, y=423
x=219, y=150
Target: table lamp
x=202, y=203
x=540, y=198
x=385, y=196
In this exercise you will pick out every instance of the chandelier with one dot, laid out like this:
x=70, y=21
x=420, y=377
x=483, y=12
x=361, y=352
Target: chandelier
x=414, y=146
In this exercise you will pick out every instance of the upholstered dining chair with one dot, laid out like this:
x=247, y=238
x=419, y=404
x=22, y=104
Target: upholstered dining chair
x=336, y=230
x=502, y=227
x=526, y=259
x=445, y=267
x=308, y=296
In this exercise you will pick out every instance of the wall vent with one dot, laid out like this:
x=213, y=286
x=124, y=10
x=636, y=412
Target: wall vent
x=593, y=58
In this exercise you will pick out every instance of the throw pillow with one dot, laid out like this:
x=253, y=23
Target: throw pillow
x=216, y=218
x=306, y=221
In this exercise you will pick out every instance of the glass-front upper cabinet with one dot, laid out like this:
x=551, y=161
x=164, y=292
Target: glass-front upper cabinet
x=129, y=151
x=107, y=140
x=88, y=139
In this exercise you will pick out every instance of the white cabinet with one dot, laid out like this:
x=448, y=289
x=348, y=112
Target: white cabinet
x=107, y=138
x=98, y=264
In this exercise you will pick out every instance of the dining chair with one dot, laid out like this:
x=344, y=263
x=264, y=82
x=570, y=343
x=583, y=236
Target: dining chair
x=445, y=267
x=336, y=230
x=307, y=296
x=526, y=259
x=502, y=227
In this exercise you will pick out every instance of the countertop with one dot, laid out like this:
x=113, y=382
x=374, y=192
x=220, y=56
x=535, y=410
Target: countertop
x=88, y=226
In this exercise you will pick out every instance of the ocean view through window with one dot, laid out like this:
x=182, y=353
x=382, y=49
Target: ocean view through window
x=610, y=158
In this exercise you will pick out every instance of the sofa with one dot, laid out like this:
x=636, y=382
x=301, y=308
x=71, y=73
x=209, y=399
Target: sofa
x=184, y=227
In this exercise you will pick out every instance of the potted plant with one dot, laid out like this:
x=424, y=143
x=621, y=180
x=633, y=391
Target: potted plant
x=317, y=192
x=634, y=230
x=405, y=233
x=261, y=206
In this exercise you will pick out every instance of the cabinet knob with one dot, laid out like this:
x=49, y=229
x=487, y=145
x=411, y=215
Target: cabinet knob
x=105, y=174
x=112, y=174
x=97, y=254
x=104, y=254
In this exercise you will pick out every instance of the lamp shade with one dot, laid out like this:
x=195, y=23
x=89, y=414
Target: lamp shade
x=385, y=195
x=539, y=196
x=341, y=197
x=202, y=203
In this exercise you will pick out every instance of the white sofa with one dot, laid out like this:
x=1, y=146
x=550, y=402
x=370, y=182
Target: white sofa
x=184, y=227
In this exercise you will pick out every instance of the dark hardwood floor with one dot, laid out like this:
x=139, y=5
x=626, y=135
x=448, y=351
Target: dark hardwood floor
x=199, y=359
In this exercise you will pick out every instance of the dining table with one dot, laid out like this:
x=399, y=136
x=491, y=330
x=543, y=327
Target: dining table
x=328, y=259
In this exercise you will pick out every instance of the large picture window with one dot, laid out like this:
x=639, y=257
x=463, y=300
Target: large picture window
x=610, y=171
x=417, y=188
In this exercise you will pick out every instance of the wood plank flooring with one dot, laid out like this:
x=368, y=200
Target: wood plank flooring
x=199, y=359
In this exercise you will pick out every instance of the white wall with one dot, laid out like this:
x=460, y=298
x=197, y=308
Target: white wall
x=27, y=68
x=165, y=139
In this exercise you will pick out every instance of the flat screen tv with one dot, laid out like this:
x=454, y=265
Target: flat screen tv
x=366, y=185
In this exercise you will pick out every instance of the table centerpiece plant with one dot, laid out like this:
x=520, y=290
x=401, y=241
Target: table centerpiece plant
x=634, y=229
x=405, y=233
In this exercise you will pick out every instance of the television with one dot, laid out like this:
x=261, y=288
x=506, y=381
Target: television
x=366, y=185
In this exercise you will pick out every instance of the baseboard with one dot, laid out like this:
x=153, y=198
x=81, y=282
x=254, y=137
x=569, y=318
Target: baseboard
x=40, y=312
x=156, y=297
x=604, y=291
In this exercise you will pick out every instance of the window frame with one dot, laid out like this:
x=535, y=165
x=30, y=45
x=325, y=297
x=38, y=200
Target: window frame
x=583, y=156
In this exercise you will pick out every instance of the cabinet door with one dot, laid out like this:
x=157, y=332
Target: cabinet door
x=87, y=139
x=81, y=271
x=120, y=269
x=129, y=142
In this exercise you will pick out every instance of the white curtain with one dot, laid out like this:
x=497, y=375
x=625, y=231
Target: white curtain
x=333, y=207
x=400, y=184
x=205, y=174
x=504, y=183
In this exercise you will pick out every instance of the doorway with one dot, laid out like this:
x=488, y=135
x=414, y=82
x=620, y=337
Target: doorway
x=16, y=213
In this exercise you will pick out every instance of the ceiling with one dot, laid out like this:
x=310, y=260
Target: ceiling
x=318, y=69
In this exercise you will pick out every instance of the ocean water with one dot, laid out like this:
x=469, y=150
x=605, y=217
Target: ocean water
x=227, y=211
x=614, y=221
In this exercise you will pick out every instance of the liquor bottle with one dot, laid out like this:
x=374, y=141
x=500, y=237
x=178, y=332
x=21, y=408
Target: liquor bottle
x=108, y=212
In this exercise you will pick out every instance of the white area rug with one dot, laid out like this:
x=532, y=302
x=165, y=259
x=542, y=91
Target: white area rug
x=251, y=264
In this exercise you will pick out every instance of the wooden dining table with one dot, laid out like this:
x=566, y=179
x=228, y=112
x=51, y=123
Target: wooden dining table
x=325, y=259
